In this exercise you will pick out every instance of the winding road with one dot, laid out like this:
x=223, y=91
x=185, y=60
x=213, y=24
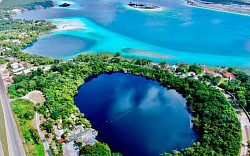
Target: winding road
x=245, y=132
x=15, y=145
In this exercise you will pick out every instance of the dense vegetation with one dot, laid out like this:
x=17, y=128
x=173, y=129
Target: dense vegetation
x=96, y=150
x=24, y=111
x=28, y=4
x=213, y=116
x=3, y=60
x=13, y=39
x=17, y=34
x=240, y=88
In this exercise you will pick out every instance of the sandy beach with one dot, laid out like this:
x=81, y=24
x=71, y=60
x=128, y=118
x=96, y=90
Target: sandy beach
x=234, y=8
x=144, y=10
x=68, y=24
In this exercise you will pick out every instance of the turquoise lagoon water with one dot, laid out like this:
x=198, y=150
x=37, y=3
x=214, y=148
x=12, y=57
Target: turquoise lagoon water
x=177, y=33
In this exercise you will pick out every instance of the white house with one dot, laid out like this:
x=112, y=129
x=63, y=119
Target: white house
x=174, y=67
x=14, y=66
x=191, y=74
x=34, y=68
x=26, y=71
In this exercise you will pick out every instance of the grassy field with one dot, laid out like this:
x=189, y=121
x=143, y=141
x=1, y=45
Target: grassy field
x=3, y=137
x=29, y=4
x=25, y=113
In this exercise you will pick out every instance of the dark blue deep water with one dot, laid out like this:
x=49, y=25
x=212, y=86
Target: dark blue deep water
x=136, y=116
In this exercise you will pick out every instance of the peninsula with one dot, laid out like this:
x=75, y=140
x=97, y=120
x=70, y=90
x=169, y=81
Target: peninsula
x=228, y=7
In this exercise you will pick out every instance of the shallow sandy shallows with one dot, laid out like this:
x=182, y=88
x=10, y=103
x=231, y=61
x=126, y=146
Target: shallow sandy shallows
x=146, y=10
x=69, y=24
x=145, y=53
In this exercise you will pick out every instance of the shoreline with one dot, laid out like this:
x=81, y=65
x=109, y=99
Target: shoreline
x=232, y=8
x=68, y=24
x=145, y=10
x=91, y=68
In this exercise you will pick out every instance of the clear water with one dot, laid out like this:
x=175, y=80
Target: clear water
x=60, y=46
x=177, y=33
x=136, y=116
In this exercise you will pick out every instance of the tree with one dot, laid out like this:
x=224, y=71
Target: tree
x=195, y=68
x=99, y=149
x=162, y=64
x=180, y=70
x=216, y=80
x=117, y=54
x=34, y=135
x=242, y=76
x=47, y=125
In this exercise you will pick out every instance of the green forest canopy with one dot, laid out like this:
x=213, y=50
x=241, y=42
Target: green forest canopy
x=28, y=4
x=213, y=116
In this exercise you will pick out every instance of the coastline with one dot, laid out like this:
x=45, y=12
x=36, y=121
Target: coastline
x=68, y=24
x=232, y=8
x=145, y=10
x=140, y=51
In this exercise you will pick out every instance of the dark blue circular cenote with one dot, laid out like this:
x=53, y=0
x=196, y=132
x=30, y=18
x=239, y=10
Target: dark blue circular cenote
x=136, y=116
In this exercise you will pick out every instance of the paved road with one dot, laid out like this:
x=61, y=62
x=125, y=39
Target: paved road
x=41, y=134
x=1, y=149
x=45, y=143
x=15, y=145
x=244, y=122
x=245, y=130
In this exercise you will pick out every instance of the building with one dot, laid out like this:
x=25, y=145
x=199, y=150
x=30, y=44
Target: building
x=191, y=74
x=62, y=140
x=155, y=64
x=174, y=67
x=14, y=66
x=34, y=68
x=76, y=133
x=229, y=75
x=167, y=66
x=207, y=71
x=26, y=71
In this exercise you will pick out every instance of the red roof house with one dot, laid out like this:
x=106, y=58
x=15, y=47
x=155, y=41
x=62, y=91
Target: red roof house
x=62, y=140
x=231, y=76
x=205, y=69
